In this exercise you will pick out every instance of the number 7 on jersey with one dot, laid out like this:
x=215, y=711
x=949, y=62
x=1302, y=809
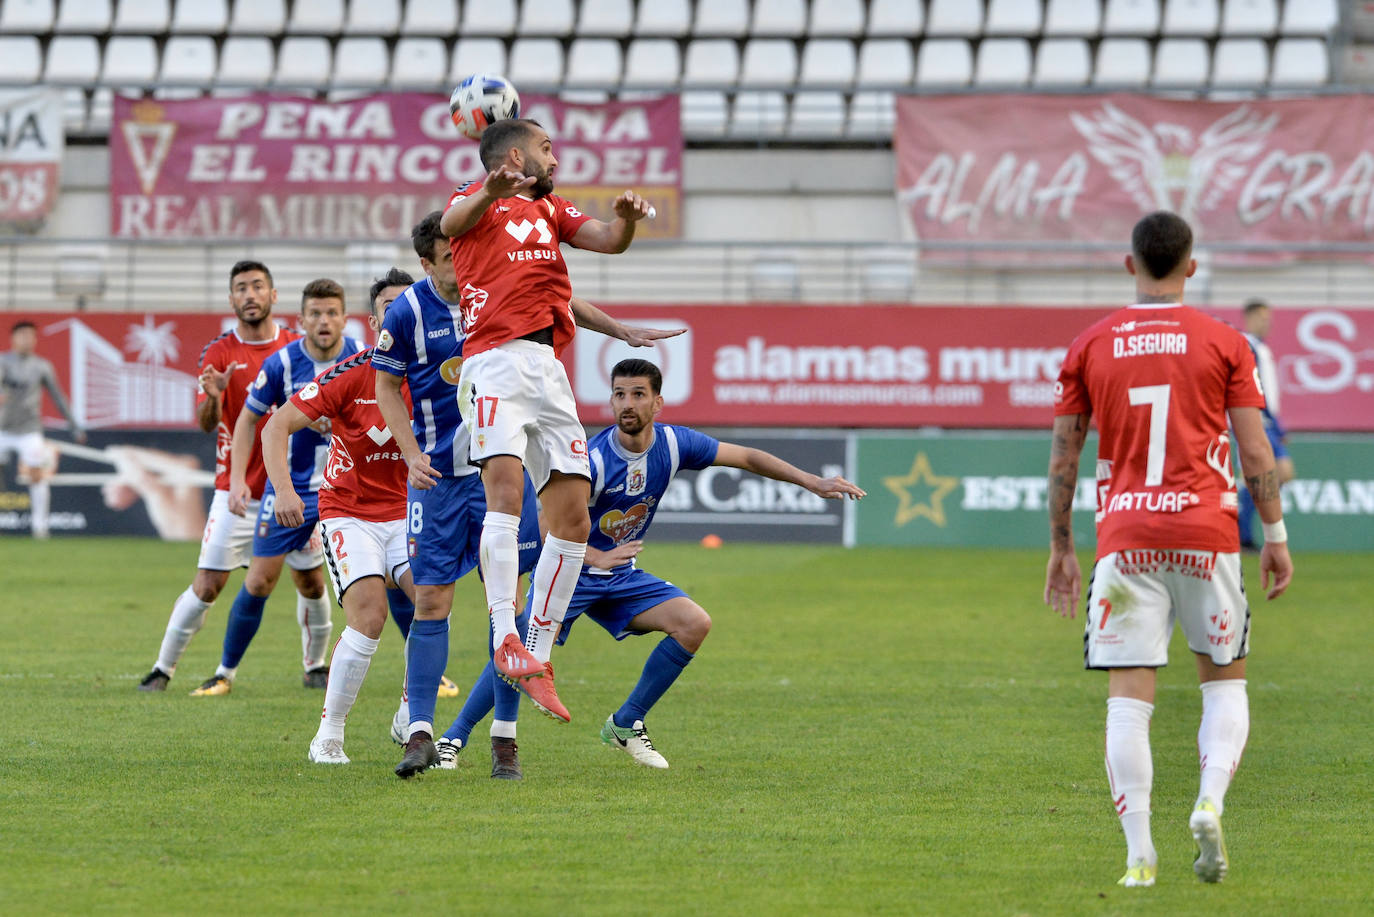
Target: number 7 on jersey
x=1157, y=397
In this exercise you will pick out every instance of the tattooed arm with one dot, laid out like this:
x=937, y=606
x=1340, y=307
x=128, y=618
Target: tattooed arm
x=1262, y=480
x=1063, y=578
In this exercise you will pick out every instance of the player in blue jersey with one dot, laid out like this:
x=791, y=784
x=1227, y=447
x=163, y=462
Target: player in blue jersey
x=283, y=374
x=632, y=464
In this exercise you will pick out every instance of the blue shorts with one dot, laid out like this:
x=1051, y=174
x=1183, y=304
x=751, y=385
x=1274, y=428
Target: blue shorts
x=1280, y=450
x=613, y=600
x=273, y=540
x=444, y=529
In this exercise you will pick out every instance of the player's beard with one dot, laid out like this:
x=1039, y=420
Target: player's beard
x=255, y=323
x=631, y=424
x=543, y=184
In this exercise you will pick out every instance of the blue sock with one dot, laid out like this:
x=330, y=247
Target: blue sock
x=1246, y=516
x=661, y=669
x=402, y=610
x=245, y=616
x=488, y=692
x=426, y=659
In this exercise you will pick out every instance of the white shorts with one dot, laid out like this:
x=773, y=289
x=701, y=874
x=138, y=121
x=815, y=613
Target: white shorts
x=356, y=548
x=516, y=400
x=30, y=447
x=1136, y=596
x=228, y=540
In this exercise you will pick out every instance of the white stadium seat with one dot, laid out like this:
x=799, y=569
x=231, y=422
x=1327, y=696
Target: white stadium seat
x=704, y=113
x=188, y=60
x=1073, y=17
x=252, y=17
x=827, y=62
x=430, y=17
x=817, y=114
x=129, y=61
x=316, y=17
x=669, y=18
x=837, y=18
x=606, y=17
x=1240, y=62
x=954, y=17
x=1180, y=62
x=1131, y=17
x=144, y=17
x=711, y=62
x=360, y=62
x=21, y=59
x=886, y=62
x=303, y=62
x=545, y=17
x=1300, y=62
x=593, y=62
x=1062, y=62
x=488, y=17
x=1122, y=62
x=84, y=16
x=373, y=17
x=872, y=115
x=944, y=62
x=245, y=61
x=536, y=62
x=419, y=63
x=778, y=17
x=720, y=18
x=652, y=62
x=768, y=62
x=1012, y=17
x=74, y=110
x=758, y=113
x=30, y=16
x=1309, y=17
x=898, y=18
x=1191, y=17
x=477, y=55
x=72, y=59
x=1002, y=62
x=1250, y=17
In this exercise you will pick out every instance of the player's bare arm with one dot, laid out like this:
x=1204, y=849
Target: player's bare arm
x=614, y=237
x=1262, y=478
x=770, y=466
x=213, y=383
x=1063, y=577
x=276, y=441
x=620, y=554
x=245, y=431
x=592, y=318
x=500, y=182
x=397, y=416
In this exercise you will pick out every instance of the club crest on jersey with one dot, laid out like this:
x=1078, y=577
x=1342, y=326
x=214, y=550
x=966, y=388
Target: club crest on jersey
x=310, y=391
x=635, y=479
x=451, y=369
x=339, y=461
x=261, y=380
x=385, y=340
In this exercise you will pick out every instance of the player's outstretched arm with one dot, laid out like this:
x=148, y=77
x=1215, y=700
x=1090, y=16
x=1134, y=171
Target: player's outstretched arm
x=245, y=430
x=464, y=213
x=770, y=466
x=276, y=441
x=1063, y=577
x=592, y=318
x=614, y=237
x=1262, y=480
x=397, y=416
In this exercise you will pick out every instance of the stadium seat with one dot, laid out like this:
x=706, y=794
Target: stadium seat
x=1300, y=62
x=611, y=18
x=669, y=18
x=1250, y=17
x=717, y=18
x=1240, y=62
x=837, y=18
x=477, y=55
x=1012, y=17
x=360, y=62
x=27, y=16
x=535, y=62
x=1309, y=17
x=816, y=114
x=373, y=17
x=252, y=17
x=652, y=62
x=144, y=17
x=711, y=62
x=1131, y=17
x=129, y=61
x=758, y=113
x=954, y=17
x=72, y=59
x=1073, y=17
x=1191, y=17
x=188, y=60
x=419, y=63
x=889, y=277
x=74, y=108
x=872, y=115
x=245, y=61
x=944, y=62
x=827, y=62
x=84, y=16
x=1180, y=62
x=778, y=17
x=1122, y=62
x=897, y=18
x=886, y=62
x=545, y=17
x=21, y=59
x=488, y=17
x=593, y=62
x=316, y=17
x=1062, y=62
x=768, y=62
x=303, y=63
x=774, y=278
x=704, y=113
x=430, y=17
x=1002, y=62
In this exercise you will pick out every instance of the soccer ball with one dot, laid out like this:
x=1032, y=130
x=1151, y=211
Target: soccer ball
x=481, y=99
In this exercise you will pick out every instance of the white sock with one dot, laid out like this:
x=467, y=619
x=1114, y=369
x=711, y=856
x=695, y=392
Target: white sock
x=347, y=669
x=40, y=498
x=188, y=617
x=420, y=727
x=227, y=672
x=500, y=559
x=502, y=729
x=1130, y=772
x=1221, y=735
x=316, y=628
x=555, y=578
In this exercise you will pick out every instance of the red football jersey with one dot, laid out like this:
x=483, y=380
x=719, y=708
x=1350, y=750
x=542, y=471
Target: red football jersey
x=219, y=353
x=365, y=474
x=1158, y=380
x=512, y=274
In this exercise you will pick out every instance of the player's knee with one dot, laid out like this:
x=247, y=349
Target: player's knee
x=694, y=628
x=259, y=583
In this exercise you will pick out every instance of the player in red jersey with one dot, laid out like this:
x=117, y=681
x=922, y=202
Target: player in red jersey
x=227, y=368
x=1161, y=379
x=513, y=392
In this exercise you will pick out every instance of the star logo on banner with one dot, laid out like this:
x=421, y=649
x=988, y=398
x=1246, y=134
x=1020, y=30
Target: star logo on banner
x=920, y=492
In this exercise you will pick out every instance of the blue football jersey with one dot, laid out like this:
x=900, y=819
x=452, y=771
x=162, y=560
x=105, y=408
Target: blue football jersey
x=627, y=487
x=422, y=341
x=282, y=375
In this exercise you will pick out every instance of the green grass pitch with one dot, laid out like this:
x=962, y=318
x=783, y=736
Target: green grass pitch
x=875, y=731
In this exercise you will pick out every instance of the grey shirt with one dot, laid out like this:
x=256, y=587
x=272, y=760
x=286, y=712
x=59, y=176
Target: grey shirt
x=23, y=379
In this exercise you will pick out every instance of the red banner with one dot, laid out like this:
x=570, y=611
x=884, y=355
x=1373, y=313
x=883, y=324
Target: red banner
x=798, y=366
x=264, y=166
x=31, y=144
x=1081, y=168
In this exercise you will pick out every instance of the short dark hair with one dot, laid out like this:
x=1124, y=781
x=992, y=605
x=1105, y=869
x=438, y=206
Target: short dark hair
x=1254, y=305
x=426, y=233
x=634, y=368
x=500, y=136
x=394, y=278
x=1161, y=242
x=21, y=325
x=323, y=288
x=243, y=267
